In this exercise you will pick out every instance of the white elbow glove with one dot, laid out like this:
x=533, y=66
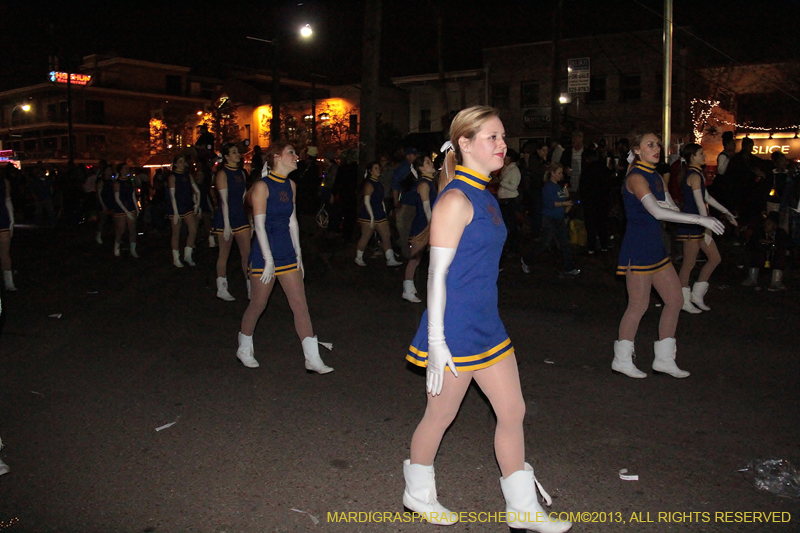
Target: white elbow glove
x=266, y=253
x=701, y=208
x=426, y=206
x=668, y=202
x=721, y=208
x=439, y=354
x=368, y=205
x=226, y=232
x=659, y=213
x=294, y=232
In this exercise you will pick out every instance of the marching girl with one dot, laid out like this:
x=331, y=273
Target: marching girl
x=276, y=254
x=202, y=177
x=6, y=232
x=372, y=217
x=461, y=336
x=420, y=230
x=696, y=238
x=126, y=208
x=184, y=204
x=104, y=186
x=645, y=263
x=230, y=220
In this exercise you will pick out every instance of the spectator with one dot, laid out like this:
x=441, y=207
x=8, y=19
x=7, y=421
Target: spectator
x=42, y=188
x=572, y=161
x=509, y=200
x=404, y=193
x=767, y=248
x=595, y=185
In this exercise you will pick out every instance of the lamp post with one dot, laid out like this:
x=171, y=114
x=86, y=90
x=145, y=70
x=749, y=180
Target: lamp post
x=275, y=123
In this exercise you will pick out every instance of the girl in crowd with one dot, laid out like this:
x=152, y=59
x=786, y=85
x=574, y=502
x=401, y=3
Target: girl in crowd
x=276, y=254
x=420, y=231
x=202, y=177
x=645, y=263
x=125, y=207
x=184, y=204
x=6, y=232
x=104, y=186
x=373, y=217
x=696, y=238
x=230, y=218
x=466, y=236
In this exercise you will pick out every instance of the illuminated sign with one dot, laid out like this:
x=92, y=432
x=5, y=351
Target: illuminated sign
x=77, y=79
x=764, y=148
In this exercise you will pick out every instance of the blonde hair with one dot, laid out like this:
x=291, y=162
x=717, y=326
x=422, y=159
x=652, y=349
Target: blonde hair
x=466, y=124
x=550, y=170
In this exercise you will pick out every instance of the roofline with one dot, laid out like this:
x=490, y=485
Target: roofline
x=89, y=64
x=89, y=88
x=454, y=75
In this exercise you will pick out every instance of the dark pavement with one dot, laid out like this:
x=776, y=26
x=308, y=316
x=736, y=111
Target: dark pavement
x=141, y=344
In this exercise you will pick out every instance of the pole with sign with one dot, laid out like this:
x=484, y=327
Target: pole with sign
x=578, y=75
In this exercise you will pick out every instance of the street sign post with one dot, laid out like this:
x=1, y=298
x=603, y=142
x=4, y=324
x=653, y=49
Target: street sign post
x=578, y=75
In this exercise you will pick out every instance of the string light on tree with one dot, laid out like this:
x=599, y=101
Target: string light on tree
x=699, y=121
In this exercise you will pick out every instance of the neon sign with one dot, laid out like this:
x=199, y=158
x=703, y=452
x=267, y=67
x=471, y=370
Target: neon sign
x=77, y=79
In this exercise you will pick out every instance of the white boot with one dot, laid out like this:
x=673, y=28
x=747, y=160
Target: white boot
x=699, y=290
x=212, y=242
x=187, y=256
x=420, y=495
x=752, y=278
x=245, y=351
x=777, y=281
x=116, y=249
x=8, y=279
x=623, y=360
x=410, y=292
x=664, y=361
x=360, y=258
x=313, y=360
x=99, y=237
x=222, y=288
x=687, y=302
x=391, y=260
x=176, y=259
x=523, y=510
x=133, y=251
x=247, y=281
x=4, y=469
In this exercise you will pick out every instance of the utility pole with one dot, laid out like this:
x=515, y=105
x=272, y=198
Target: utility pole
x=70, y=143
x=667, y=121
x=370, y=68
x=555, y=90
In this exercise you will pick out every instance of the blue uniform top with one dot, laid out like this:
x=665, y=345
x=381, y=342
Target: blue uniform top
x=183, y=194
x=375, y=201
x=237, y=186
x=280, y=205
x=125, y=196
x=107, y=193
x=642, y=247
x=420, y=221
x=692, y=231
x=552, y=193
x=474, y=332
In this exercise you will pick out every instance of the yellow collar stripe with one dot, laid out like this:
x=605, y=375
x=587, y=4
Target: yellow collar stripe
x=277, y=177
x=471, y=177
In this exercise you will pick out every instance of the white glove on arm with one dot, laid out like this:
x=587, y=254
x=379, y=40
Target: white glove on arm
x=294, y=232
x=368, y=205
x=226, y=232
x=266, y=253
x=721, y=208
x=668, y=202
x=659, y=213
x=439, y=354
x=176, y=218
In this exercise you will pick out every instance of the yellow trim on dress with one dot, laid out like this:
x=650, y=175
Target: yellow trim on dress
x=644, y=269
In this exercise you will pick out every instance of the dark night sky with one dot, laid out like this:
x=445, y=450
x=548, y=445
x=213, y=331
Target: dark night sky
x=207, y=36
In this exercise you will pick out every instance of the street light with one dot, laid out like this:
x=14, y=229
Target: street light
x=275, y=126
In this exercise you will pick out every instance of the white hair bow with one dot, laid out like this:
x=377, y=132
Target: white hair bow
x=447, y=146
x=631, y=157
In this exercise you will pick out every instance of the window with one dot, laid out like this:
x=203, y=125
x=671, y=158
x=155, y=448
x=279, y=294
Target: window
x=424, y=120
x=173, y=85
x=95, y=142
x=51, y=113
x=597, y=89
x=62, y=111
x=529, y=94
x=630, y=88
x=50, y=143
x=353, y=124
x=500, y=95
x=95, y=112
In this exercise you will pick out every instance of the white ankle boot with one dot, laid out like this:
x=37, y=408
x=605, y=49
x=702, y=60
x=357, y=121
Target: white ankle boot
x=752, y=278
x=777, y=281
x=410, y=292
x=245, y=351
x=212, y=242
x=133, y=251
x=313, y=360
x=664, y=361
x=687, y=302
x=623, y=360
x=116, y=249
x=8, y=280
x=187, y=256
x=420, y=495
x=699, y=290
x=176, y=259
x=360, y=258
x=222, y=288
x=391, y=260
x=523, y=510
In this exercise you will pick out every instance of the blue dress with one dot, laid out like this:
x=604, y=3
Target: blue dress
x=420, y=221
x=691, y=232
x=237, y=186
x=125, y=196
x=183, y=195
x=473, y=330
x=107, y=194
x=280, y=205
x=5, y=219
x=642, y=247
x=376, y=202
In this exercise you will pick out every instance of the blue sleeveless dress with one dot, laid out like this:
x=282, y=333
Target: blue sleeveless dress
x=236, y=216
x=691, y=232
x=376, y=202
x=183, y=195
x=420, y=221
x=280, y=205
x=473, y=330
